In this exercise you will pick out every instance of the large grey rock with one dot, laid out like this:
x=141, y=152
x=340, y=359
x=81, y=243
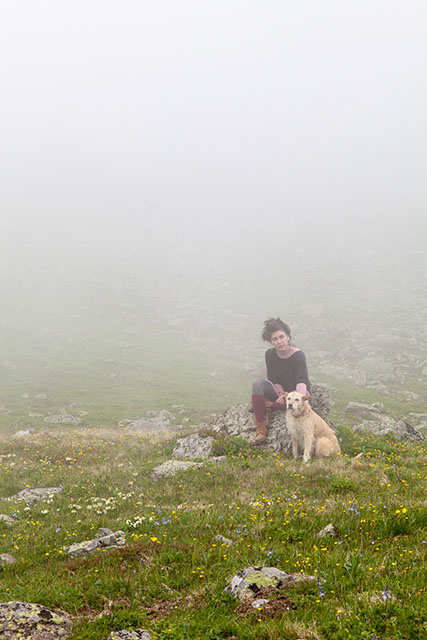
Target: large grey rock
x=134, y=634
x=34, y=495
x=172, y=467
x=105, y=539
x=237, y=421
x=29, y=621
x=387, y=426
x=193, y=447
x=250, y=581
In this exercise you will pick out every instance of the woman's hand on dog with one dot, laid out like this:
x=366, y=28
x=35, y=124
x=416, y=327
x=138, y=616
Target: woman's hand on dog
x=281, y=399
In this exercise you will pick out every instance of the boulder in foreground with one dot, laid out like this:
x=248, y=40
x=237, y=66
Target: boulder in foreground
x=29, y=621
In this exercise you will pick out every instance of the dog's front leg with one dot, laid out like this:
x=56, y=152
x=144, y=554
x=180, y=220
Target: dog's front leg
x=295, y=448
x=308, y=446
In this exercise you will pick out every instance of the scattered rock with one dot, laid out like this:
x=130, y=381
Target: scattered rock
x=29, y=621
x=362, y=410
x=411, y=396
x=379, y=386
x=7, y=519
x=171, y=467
x=154, y=421
x=193, y=447
x=258, y=604
x=63, y=418
x=135, y=634
x=250, y=581
x=6, y=558
x=22, y=433
x=105, y=539
x=222, y=540
x=329, y=530
x=389, y=426
x=266, y=608
x=34, y=495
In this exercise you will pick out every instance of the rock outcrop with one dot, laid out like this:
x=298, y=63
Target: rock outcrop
x=386, y=426
x=238, y=421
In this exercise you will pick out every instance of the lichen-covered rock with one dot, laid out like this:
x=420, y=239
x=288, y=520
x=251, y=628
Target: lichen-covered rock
x=34, y=495
x=171, y=467
x=29, y=621
x=387, y=426
x=6, y=558
x=105, y=539
x=250, y=581
x=134, y=634
x=193, y=447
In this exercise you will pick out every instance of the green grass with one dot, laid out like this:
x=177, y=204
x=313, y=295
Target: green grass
x=171, y=575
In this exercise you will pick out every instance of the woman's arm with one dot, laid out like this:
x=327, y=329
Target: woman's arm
x=301, y=374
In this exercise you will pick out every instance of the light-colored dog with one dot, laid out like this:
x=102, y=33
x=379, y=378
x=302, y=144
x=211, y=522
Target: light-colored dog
x=310, y=435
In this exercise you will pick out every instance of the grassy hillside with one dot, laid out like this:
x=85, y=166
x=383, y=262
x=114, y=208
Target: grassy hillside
x=171, y=575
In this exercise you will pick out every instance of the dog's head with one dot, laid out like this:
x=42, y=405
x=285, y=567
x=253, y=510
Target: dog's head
x=296, y=403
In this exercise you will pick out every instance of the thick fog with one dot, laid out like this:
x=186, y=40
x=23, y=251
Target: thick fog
x=200, y=166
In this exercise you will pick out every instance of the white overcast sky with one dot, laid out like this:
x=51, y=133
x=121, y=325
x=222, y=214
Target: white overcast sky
x=224, y=114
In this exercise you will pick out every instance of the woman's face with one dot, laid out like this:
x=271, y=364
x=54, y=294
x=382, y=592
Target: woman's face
x=280, y=341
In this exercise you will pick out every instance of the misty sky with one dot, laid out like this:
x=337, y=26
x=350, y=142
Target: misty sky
x=141, y=121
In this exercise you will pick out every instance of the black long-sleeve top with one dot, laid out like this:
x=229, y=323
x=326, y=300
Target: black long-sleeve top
x=287, y=372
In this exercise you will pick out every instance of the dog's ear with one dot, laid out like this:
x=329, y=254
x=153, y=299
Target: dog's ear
x=306, y=398
x=284, y=393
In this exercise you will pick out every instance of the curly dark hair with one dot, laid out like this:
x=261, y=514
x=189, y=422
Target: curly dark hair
x=274, y=324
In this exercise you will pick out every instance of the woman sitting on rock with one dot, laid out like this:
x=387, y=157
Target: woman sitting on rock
x=286, y=371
